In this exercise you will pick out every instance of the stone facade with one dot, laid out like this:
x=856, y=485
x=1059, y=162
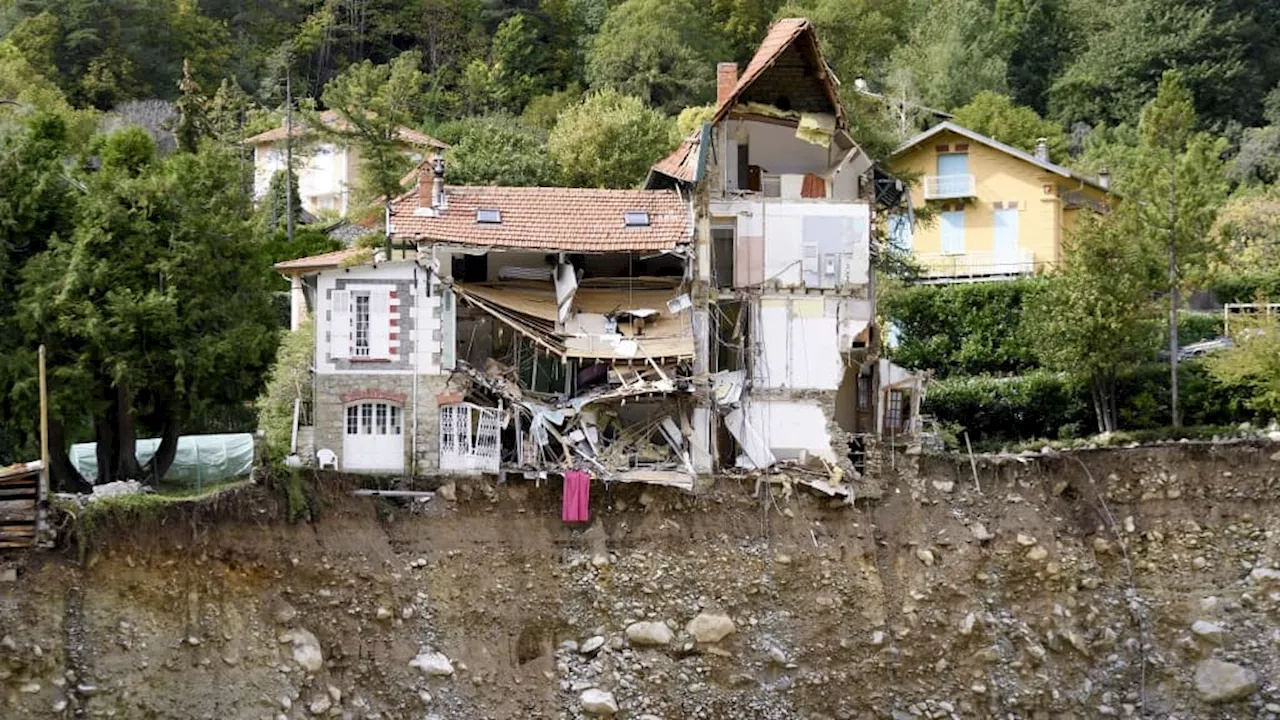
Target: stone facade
x=330, y=412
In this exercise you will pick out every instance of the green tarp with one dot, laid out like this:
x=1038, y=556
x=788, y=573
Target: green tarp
x=201, y=459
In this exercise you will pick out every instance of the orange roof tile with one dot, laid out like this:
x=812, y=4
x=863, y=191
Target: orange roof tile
x=330, y=118
x=325, y=261
x=548, y=218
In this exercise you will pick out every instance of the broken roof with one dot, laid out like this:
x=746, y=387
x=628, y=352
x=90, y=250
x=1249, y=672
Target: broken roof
x=546, y=218
x=775, y=51
x=949, y=126
x=406, y=135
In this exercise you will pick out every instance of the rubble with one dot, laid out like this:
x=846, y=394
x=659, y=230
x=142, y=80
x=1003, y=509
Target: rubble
x=1218, y=682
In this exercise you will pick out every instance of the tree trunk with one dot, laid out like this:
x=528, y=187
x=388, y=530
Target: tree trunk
x=127, y=466
x=63, y=475
x=1099, y=408
x=104, y=434
x=1173, y=338
x=1113, y=405
x=159, y=464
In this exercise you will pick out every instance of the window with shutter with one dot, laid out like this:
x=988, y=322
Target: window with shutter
x=380, y=324
x=340, y=325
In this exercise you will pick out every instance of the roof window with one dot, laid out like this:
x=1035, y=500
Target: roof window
x=489, y=216
x=636, y=218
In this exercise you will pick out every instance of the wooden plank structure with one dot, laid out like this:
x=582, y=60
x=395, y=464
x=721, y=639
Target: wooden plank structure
x=19, y=504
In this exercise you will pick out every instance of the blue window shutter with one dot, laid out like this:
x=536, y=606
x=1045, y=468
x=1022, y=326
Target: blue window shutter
x=953, y=232
x=950, y=164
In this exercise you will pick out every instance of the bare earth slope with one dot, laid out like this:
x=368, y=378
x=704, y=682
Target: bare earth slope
x=935, y=601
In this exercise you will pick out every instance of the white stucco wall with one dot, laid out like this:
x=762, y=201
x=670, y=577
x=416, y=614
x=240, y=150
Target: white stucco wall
x=787, y=229
x=326, y=174
x=421, y=348
x=789, y=426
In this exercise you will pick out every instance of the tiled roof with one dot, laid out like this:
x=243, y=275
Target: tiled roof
x=565, y=219
x=325, y=261
x=781, y=36
x=330, y=118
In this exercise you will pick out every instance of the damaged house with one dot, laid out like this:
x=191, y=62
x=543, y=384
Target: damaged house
x=722, y=318
x=783, y=200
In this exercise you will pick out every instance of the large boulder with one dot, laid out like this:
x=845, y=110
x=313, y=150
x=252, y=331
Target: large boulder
x=1218, y=681
x=649, y=633
x=306, y=649
x=710, y=627
x=432, y=664
x=599, y=702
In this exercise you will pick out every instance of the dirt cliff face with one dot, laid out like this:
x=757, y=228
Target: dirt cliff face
x=1151, y=591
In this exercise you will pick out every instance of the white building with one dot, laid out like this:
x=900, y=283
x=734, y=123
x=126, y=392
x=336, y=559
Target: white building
x=328, y=173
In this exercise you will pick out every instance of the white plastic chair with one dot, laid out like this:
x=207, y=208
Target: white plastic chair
x=327, y=459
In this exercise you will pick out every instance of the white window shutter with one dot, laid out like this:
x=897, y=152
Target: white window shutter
x=380, y=324
x=340, y=325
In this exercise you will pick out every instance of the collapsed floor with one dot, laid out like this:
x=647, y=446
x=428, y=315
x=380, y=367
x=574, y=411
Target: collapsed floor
x=938, y=601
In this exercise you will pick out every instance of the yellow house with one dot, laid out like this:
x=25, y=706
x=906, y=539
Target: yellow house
x=1001, y=212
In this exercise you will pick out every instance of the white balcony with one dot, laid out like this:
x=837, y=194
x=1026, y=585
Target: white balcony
x=959, y=267
x=949, y=187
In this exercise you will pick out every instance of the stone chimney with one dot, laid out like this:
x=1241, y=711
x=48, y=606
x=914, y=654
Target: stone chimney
x=1042, y=149
x=1104, y=178
x=726, y=81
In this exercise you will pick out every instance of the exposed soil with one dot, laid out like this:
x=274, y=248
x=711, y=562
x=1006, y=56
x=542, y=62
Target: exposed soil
x=899, y=608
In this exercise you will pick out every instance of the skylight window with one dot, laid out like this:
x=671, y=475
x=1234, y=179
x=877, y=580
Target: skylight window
x=489, y=216
x=636, y=218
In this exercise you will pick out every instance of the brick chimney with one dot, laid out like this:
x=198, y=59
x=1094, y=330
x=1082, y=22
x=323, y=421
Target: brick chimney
x=431, y=183
x=726, y=81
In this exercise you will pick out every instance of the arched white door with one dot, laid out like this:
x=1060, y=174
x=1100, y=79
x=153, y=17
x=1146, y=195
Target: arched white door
x=373, y=437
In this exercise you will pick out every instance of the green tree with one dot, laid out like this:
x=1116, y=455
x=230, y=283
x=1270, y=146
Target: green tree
x=953, y=52
x=609, y=140
x=1038, y=35
x=497, y=150
x=373, y=103
x=520, y=63
x=135, y=301
x=1172, y=196
x=996, y=116
x=543, y=110
x=662, y=51
x=1095, y=319
x=192, y=112
x=290, y=382
x=1251, y=369
x=1249, y=224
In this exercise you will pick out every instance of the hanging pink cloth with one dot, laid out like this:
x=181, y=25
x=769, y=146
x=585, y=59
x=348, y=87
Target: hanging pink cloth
x=577, y=496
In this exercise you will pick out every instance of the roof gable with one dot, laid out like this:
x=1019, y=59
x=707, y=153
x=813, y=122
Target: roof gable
x=1026, y=157
x=330, y=118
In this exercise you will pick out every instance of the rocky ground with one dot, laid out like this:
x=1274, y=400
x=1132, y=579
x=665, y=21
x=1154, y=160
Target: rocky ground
x=1152, y=590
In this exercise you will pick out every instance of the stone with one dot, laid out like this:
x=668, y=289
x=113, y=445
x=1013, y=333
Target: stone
x=945, y=486
x=1264, y=575
x=306, y=649
x=925, y=556
x=448, y=491
x=877, y=638
x=1026, y=540
x=708, y=627
x=383, y=613
x=432, y=664
x=320, y=705
x=968, y=623
x=1037, y=553
x=598, y=702
x=1217, y=681
x=1211, y=631
x=285, y=613
x=8, y=575
x=980, y=532
x=591, y=645
x=649, y=633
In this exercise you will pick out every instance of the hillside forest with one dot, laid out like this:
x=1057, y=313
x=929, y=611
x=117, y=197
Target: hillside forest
x=121, y=119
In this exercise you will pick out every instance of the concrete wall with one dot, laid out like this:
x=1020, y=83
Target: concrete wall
x=772, y=236
x=790, y=425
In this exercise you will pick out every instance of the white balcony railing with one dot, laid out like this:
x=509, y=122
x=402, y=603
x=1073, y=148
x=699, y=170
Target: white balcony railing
x=949, y=187
x=960, y=266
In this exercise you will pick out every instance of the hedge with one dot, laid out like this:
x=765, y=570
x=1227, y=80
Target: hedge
x=1247, y=287
x=1042, y=404
x=965, y=329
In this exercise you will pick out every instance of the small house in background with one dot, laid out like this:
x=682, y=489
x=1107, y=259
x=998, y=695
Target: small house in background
x=1001, y=212
x=328, y=173
x=720, y=320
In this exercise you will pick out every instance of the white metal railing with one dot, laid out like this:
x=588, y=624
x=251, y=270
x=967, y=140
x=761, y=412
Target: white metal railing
x=976, y=264
x=946, y=187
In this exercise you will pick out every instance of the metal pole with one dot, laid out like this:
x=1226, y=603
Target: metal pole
x=288, y=147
